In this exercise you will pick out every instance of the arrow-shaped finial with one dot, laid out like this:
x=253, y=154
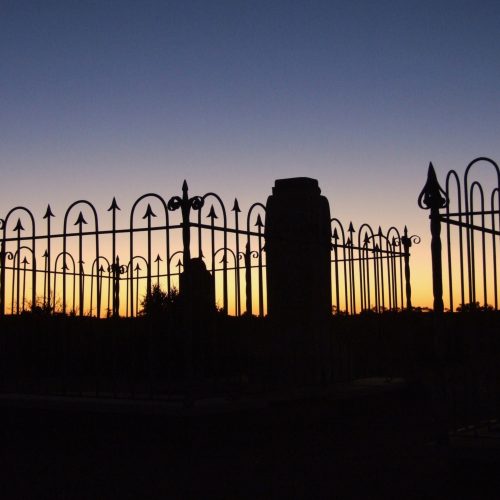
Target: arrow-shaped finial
x=48, y=213
x=149, y=212
x=236, y=206
x=351, y=228
x=19, y=226
x=259, y=222
x=158, y=258
x=114, y=205
x=81, y=220
x=212, y=215
x=335, y=234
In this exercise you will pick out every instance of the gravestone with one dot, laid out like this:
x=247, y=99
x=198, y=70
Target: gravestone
x=298, y=246
x=197, y=299
x=196, y=289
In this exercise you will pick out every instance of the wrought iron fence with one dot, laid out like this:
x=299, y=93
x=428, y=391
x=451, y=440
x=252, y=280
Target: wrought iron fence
x=471, y=217
x=85, y=270
x=107, y=272
x=105, y=266
x=370, y=270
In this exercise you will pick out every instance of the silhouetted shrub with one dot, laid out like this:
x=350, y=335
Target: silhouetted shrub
x=159, y=302
x=474, y=307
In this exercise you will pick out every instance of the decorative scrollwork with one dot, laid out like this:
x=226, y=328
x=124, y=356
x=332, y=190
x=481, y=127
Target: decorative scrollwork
x=197, y=202
x=406, y=241
x=185, y=203
x=174, y=203
x=117, y=269
x=254, y=254
x=5, y=256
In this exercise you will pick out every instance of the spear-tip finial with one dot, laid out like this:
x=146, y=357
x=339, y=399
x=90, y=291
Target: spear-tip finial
x=432, y=195
x=80, y=220
x=48, y=213
x=236, y=206
x=211, y=214
x=19, y=225
x=149, y=212
x=114, y=205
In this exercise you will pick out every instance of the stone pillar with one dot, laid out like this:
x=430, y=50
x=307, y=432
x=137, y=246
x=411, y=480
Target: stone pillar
x=298, y=246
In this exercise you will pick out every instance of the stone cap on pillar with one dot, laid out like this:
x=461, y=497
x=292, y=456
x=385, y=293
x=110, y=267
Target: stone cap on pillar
x=296, y=186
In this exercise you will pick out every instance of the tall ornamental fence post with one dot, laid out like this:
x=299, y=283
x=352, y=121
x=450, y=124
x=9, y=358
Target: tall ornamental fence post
x=2, y=273
x=433, y=198
x=407, y=242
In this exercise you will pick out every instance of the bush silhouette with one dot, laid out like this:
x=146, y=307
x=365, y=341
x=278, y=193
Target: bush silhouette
x=158, y=301
x=473, y=307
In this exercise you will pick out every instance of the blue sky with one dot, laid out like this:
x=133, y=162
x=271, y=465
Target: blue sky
x=118, y=98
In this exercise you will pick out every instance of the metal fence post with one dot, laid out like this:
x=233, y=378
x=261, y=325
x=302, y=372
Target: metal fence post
x=407, y=241
x=2, y=274
x=433, y=197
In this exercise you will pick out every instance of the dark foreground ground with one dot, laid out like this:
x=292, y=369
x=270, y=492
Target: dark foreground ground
x=367, y=440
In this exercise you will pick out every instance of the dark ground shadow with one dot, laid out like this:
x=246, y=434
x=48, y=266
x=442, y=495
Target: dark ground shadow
x=369, y=446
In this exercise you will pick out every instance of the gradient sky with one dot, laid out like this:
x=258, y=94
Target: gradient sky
x=118, y=98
